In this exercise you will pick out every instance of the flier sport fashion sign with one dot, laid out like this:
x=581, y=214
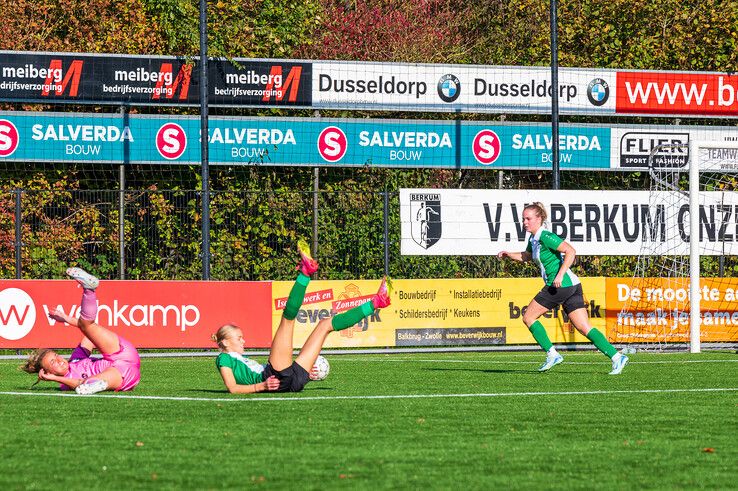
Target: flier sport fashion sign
x=161, y=80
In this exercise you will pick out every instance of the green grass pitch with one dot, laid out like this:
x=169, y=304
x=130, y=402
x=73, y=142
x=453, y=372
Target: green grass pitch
x=407, y=421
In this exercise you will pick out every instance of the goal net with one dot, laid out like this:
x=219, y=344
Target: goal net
x=683, y=292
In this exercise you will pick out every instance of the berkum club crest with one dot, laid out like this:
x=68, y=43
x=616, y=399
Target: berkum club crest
x=425, y=218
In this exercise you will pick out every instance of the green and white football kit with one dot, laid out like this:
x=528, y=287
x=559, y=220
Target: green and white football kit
x=543, y=248
x=295, y=377
x=245, y=370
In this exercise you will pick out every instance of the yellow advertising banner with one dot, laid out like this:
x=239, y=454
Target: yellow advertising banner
x=657, y=309
x=438, y=312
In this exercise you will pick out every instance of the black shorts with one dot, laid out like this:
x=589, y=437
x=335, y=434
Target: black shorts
x=570, y=298
x=291, y=379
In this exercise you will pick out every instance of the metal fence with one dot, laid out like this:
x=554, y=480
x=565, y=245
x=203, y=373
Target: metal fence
x=147, y=234
x=257, y=216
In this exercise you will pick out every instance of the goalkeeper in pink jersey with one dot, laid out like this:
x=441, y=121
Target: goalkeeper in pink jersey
x=119, y=368
x=242, y=375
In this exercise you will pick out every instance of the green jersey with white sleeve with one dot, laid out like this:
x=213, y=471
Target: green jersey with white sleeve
x=245, y=370
x=542, y=247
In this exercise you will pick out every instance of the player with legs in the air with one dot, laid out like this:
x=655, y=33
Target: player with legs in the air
x=555, y=256
x=242, y=375
x=119, y=369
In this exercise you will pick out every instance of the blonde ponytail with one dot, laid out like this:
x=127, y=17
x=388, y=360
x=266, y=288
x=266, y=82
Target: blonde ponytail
x=539, y=209
x=222, y=333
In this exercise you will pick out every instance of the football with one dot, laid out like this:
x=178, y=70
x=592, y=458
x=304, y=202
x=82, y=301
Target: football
x=321, y=369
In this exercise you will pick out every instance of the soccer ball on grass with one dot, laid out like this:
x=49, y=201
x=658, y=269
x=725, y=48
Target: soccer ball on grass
x=321, y=369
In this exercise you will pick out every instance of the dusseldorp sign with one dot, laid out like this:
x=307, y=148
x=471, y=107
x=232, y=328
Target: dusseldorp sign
x=352, y=85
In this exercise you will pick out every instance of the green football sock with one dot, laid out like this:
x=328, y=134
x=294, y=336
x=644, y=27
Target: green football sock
x=351, y=317
x=601, y=342
x=539, y=334
x=297, y=295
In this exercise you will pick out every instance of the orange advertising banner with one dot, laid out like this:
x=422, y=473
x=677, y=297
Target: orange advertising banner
x=150, y=314
x=658, y=309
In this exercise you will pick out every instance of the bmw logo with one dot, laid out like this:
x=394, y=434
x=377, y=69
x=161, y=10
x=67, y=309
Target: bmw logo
x=598, y=92
x=449, y=88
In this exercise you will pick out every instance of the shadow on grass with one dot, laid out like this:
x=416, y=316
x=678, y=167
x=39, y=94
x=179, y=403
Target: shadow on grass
x=225, y=392
x=40, y=388
x=207, y=391
x=486, y=370
x=573, y=371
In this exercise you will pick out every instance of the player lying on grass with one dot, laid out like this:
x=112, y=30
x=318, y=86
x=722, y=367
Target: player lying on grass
x=244, y=376
x=554, y=257
x=119, y=368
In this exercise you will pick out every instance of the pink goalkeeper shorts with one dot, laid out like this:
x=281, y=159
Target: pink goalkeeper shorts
x=128, y=363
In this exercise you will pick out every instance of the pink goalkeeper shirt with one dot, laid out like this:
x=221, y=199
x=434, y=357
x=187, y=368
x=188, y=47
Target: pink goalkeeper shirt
x=86, y=368
x=126, y=361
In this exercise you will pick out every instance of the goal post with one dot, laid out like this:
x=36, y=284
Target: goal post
x=694, y=249
x=687, y=278
x=713, y=167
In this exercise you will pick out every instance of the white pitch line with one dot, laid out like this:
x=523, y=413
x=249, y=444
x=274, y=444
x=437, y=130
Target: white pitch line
x=398, y=396
x=503, y=362
x=529, y=362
